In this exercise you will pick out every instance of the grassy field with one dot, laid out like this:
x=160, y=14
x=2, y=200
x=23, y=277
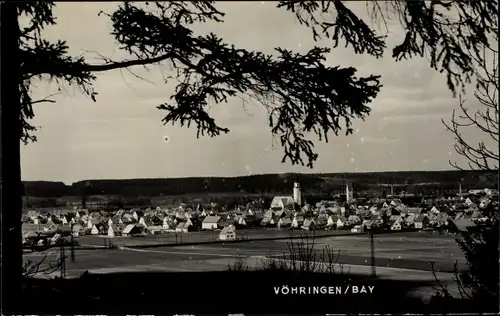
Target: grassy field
x=197, y=237
x=405, y=250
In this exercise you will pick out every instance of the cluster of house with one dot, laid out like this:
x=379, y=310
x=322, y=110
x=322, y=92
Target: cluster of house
x=381, y=214
x=391, y=215
x=285, y=212
x=136, y=222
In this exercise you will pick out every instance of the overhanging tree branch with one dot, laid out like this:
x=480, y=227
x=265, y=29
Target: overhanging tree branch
x=302, y=95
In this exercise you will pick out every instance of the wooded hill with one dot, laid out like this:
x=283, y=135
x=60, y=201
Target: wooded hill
x=319, y=183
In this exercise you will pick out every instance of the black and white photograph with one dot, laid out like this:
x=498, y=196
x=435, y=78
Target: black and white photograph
x=250, y=157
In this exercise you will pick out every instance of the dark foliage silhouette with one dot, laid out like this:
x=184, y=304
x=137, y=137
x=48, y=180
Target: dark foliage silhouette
x=302, y=95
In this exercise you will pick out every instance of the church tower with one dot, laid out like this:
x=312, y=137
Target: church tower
x=297, y=194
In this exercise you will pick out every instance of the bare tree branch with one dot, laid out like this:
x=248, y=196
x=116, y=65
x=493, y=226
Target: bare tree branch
x=484, y=154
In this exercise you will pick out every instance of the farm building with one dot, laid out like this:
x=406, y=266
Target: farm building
x=213, y=222
x=228, y=233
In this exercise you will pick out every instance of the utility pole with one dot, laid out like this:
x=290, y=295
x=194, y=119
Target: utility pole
x=372, y=248
x=73, y=257
x=62, y=257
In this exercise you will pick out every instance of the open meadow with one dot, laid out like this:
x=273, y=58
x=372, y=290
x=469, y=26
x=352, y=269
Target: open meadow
x=172, y=238
x=412, y=251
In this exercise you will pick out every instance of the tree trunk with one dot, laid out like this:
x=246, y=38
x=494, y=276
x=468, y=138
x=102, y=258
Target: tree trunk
x=11, y=185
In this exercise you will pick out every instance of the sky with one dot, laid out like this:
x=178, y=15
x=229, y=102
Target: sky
x=122, y=136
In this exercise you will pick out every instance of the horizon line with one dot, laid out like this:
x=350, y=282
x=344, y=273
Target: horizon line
x=262, y=174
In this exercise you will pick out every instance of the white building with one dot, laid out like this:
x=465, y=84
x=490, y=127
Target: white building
x=212, y=222
x=228, y=233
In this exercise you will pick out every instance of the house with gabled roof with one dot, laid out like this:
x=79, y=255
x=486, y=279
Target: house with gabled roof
x=228, y=233
x=354, y=220
x=297, y=221
x=395, y=225
x=342, y=222
x=113, y=230
x=367, y=224
x=421, y=222
x=284, y=222
x=133, y=229
x=409, y=221
x=142, y=221
x=182, y=227
x=157, y=219
x=476, y=215
x=265, y=221
x=78, y=230
x=309, y=224
x=91, y=223
x=168, y=223
x=39, y=220
x=213, y=222
x=461, y=225
x=154, y=229
x=321, y=221
x=239, y=221
x=64, y=219
x=357, y=229
x=332, y=221
x=442, y=219
x=137, y=214
x=400, y=207
x=414, y=211
x=94, y=230
x=281, y=202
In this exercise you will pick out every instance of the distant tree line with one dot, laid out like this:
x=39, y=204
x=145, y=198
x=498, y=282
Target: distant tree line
x=417, y=182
